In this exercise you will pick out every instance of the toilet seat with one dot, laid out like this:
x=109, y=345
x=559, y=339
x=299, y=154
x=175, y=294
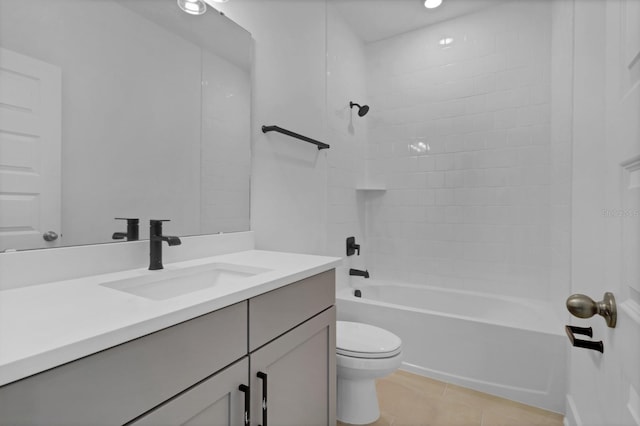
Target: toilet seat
x=365, y=341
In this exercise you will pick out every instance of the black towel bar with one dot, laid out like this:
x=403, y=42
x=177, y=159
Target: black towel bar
x=319, y=144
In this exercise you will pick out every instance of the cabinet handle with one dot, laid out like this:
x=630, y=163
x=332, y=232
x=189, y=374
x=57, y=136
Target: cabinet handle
x=247, y=402
x=263, y=377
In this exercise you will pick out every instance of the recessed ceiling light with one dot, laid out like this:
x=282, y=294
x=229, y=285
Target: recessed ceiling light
x=432, y=4
x=193, y=7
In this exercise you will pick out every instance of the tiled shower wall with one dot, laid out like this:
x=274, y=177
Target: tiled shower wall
x=460, y=135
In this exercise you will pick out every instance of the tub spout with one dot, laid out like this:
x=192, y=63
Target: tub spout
x=359, y=273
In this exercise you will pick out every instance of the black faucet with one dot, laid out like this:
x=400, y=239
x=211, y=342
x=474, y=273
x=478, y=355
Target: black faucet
x=359, y=273
x=132, y=230
x=155, y=243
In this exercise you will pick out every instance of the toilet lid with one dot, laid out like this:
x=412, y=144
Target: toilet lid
x=365, y=341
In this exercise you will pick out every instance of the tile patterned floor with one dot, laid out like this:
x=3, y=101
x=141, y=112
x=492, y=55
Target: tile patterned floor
x=410, y=400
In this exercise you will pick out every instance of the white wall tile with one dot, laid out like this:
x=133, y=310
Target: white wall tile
x=483, y=216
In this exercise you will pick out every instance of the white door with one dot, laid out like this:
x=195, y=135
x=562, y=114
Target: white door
x=30, y=139
x=604, y=389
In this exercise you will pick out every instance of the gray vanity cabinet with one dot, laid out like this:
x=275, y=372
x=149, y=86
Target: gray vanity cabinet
x=190, y=373
x=300, y=375
x=216, y=401
x=119, y=384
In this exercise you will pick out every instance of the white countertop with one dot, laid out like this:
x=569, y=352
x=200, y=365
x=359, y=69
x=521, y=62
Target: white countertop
x=43, y=326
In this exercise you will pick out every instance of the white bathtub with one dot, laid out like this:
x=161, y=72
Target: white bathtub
x=505, y=346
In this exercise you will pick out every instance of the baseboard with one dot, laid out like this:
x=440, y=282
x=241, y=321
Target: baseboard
x=526, y=396
x=572, y=417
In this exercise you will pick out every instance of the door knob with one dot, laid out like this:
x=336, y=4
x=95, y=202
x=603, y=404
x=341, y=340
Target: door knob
x=50, y=236
x=583, y=306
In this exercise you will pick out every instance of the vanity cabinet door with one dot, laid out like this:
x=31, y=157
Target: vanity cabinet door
x=216, y=401
x=300, y=370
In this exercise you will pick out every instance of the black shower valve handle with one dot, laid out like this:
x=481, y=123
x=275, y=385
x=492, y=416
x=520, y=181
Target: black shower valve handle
x=352, y=247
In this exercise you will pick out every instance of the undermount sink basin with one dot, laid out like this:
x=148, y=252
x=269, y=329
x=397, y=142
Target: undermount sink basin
x=177, y=281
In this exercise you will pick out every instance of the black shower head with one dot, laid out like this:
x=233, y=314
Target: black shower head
x=362, y=110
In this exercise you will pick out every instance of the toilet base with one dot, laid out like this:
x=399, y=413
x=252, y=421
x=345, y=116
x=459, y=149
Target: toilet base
x=357, y=401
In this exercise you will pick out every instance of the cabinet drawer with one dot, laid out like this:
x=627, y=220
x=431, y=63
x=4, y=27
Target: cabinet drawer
x=118, y=384
x=215, y=401
x=276, y=312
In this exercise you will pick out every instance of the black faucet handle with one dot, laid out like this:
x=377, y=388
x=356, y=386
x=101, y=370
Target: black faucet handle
x=119, y=235
x=155, y=226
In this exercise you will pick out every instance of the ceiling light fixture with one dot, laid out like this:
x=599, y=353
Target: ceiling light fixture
x=432, y=4
x=193, y=7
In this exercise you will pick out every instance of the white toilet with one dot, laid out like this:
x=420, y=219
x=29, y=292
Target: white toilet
x=364, y=353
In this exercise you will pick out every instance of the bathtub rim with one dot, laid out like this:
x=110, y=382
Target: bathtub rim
x=346, y=293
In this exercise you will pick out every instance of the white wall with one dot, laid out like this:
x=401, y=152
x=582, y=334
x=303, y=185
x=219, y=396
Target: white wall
x=346, y=82
x=308, y=66
x=288, y=177
x=476, y=212
x=473, y=212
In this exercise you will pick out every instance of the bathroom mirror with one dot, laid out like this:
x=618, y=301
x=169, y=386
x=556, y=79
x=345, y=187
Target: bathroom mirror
x=120, y=109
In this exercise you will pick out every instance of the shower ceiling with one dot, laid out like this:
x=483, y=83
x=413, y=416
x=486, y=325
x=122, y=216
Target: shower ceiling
x=374, y=20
